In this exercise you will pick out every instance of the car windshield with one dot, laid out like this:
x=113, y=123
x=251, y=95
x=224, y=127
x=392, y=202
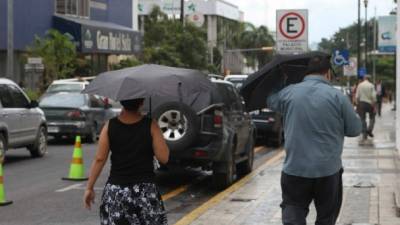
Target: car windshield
x=65, y=87
x=67, y=100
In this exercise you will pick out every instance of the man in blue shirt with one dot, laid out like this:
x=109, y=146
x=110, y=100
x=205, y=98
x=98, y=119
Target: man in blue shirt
x=316, y=118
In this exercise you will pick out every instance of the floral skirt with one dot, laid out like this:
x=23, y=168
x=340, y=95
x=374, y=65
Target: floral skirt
x=138, y=204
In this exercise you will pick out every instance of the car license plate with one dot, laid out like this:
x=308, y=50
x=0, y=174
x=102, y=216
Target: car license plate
x=52, y=129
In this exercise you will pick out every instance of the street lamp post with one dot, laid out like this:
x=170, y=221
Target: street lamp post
x=10, y=39
x=366, y=33
x=359, y=38
x=182, y=11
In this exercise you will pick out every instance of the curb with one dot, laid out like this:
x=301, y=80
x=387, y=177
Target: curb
x=396, y=193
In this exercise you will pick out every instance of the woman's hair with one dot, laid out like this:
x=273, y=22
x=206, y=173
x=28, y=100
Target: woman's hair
x=132, y=104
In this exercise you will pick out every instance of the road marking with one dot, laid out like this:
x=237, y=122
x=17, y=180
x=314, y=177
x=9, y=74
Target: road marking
x=175, y=192
x=84, y=188
x=189, y=218
x=74, y=186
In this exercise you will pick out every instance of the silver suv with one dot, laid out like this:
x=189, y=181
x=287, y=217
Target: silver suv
x=22, y=123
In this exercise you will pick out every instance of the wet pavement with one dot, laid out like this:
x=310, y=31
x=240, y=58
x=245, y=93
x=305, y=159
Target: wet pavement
x=369, y=179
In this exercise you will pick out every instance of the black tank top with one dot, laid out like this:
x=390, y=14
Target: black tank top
x=132, y=153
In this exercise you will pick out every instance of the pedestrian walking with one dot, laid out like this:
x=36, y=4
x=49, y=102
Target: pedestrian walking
x=380, y=93
x=130, y=195
x=316, y=117
x=366, y=100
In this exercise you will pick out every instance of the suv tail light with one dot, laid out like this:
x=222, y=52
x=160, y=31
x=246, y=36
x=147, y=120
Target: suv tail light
x=76, y=114
x=218, y=118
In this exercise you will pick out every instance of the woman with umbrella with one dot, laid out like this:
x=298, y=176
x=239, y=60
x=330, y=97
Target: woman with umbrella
x=130, y=195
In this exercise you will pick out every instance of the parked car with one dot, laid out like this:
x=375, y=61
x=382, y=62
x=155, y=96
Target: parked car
x=22, y=123
x=268, y=123
x=68, y=85
x=220, y=137
x=78, y=85
x=72, y=113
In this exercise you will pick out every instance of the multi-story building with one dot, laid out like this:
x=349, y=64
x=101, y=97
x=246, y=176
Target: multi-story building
x=101, y=29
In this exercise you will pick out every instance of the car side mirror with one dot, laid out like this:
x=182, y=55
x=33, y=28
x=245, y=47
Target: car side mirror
x=33, y=104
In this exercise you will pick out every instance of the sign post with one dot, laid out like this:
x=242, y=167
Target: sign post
x=351, y=68
x=292, y=31
x=387, y=34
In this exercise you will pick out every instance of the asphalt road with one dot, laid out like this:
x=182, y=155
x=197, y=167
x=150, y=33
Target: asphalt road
x=41, y=197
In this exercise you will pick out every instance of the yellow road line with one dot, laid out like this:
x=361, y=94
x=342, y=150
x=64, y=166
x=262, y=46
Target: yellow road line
x=184, y=188
x=174, y=192
x=189, y=218
x=258, y=149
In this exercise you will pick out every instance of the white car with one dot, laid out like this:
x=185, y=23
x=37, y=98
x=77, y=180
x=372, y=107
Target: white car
x=69, y=85
x=22, y=123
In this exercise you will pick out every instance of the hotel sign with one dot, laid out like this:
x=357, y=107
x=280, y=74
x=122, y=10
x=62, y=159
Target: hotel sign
x=102, y=40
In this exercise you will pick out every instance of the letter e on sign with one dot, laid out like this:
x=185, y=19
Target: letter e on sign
x=292, y=25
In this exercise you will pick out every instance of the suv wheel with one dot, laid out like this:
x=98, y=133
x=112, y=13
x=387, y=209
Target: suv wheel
x=246, y=166
x=39, y=148
x=179, y=133
x=3, y=148
x=224, y=173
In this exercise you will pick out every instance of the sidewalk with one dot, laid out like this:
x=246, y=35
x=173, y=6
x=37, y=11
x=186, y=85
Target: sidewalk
x=369, y=185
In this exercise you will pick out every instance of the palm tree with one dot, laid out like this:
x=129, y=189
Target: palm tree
x=256, y=37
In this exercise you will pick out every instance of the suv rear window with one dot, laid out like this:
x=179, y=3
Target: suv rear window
x=237, y=82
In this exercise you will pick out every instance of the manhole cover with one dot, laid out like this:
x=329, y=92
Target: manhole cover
x=364, y=184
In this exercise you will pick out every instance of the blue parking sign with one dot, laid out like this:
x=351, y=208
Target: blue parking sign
x=340, y=57
x=362, y=72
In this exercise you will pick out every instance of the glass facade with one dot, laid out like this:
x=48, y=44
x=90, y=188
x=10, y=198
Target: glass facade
x=78, y=8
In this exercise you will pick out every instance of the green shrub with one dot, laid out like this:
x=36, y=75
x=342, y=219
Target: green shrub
x=32, y=94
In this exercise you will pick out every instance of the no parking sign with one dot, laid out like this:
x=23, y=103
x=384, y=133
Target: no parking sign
x=292, y=31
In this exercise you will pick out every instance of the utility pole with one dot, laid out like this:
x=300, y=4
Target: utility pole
x=374, y=50
x=359, y=38
x=183, y=11
x=10, y=39
x=366, y=33
x=397, y=62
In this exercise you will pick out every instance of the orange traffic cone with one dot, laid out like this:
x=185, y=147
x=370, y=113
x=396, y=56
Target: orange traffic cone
x=77, y=169
x=3, y=201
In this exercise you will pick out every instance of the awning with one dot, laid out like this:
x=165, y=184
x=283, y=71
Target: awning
x=100, y=37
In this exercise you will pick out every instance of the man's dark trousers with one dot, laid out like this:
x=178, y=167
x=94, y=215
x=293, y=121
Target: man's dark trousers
x=298, y=192
x=363, y=108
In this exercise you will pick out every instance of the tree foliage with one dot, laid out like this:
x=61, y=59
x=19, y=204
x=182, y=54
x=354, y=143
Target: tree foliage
x=129, y=62
x=168, y=42
x=58, y=53
x=256, y=37
x=346, y=38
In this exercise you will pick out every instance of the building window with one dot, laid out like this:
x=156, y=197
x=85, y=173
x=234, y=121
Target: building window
x=79, y=8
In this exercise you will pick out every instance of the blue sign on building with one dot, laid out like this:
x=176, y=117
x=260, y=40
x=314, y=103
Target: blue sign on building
x=340, y=57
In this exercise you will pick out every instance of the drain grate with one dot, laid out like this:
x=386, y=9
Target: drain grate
x=242, y=199
x=364, y=184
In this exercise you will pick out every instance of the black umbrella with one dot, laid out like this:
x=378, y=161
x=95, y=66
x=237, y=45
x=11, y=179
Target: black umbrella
x=283, y=70
x=160, y=83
